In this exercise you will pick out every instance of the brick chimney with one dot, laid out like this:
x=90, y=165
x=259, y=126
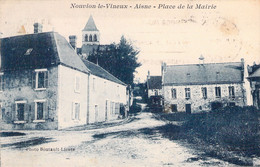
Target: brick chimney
x=37, y=28
x=73, y=41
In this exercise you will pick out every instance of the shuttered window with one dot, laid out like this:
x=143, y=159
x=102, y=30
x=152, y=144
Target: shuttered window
x=231, y=91
x=40, y=110
x=174, y=94
x=218, y=92
x=187, y=93
x=204, y=92
x=40, y=79
x=76, y=111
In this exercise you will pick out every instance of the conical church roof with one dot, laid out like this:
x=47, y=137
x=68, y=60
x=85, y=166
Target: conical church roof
x=90, y=26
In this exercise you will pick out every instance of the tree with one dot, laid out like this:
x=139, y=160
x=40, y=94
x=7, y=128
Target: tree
x=118, y=59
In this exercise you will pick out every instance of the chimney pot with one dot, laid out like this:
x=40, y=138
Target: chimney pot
x=37, y=28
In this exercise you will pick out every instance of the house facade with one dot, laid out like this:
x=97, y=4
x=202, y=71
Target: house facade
x=154, y=89
x=254, y=79
x=44, y=84
x=200, y=87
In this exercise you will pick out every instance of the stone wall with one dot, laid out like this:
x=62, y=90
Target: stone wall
x=198, y=103
x=18, y=86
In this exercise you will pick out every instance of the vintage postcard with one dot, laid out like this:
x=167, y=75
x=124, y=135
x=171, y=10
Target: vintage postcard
x=120, y=83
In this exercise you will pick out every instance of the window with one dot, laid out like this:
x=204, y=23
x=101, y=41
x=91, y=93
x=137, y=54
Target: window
x=90, y=38
x=218, y=92
x=86, y=38
x=40, y=110
x=204, y=92
x=76, y=111
x=187, y=93
x=40, y=79
x=95, y=37
x=174, y=93
x=231, y=91
x=1, y=82
x=20, y=111
x=111, y=108
x=117, y=108
x=77, y=83
x=156, y=92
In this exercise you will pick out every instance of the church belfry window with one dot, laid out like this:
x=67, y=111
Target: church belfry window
x=95, y=37
x=86, y=37
x=90, y=38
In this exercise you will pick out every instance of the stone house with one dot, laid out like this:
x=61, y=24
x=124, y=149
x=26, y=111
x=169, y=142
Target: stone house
x=201, y=87
x=254, y=79
x=44, y=84
x=154, y=89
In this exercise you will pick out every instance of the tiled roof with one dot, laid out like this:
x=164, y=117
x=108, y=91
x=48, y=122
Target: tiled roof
x=100, y=72
x=255, y=74
x=155, y=82
x=213, y=73
x=40, y=50
x=90, y=26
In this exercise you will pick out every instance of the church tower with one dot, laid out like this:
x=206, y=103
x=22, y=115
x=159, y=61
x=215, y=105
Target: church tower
x=90, y=34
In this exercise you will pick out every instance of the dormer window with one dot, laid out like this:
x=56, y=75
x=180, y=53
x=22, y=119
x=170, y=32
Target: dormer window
x=28, y=52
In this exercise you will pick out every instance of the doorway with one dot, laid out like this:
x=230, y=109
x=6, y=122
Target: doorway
x=188, y=108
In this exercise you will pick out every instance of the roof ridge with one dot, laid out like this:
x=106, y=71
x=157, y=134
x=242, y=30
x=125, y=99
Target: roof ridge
x=21, y=35
x=200, y=64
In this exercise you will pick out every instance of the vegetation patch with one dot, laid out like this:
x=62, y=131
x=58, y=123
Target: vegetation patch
x=230, y=133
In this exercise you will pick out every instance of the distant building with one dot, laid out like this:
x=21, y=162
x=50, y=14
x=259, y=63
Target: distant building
x=154, y=89
x=201, y=87
x=254, y=79
x=44, y=84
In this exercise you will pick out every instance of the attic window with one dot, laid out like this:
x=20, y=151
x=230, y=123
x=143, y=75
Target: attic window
x=217, y=73
x=28, y=52
x=188, y=74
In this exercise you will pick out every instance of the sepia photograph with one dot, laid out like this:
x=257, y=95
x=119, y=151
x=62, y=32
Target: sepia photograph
x=119, y=83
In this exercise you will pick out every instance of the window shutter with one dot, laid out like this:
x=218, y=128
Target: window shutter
x=14, y=117
x=46, y=110
x=33, y=80
x=32, y=112
x=72, y=111
x=26, y=112
x=46, y=79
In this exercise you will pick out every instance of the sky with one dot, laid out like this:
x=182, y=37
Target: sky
x=226, y=33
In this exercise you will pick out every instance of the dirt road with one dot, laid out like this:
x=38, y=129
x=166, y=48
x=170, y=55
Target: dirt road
x=129, y=143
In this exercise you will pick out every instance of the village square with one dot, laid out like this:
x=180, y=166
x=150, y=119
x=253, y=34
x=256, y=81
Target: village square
x=75, y=101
